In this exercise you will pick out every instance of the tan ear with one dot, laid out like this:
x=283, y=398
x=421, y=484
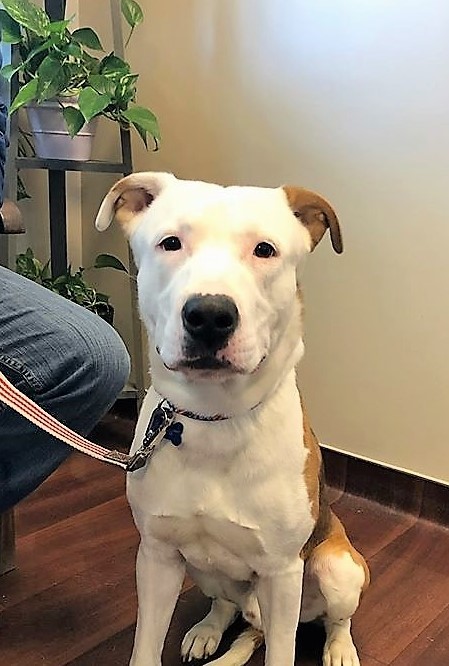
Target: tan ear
x=129, y=196
x=316, y=214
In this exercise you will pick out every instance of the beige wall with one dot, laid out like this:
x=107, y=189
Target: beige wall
x=350, y=98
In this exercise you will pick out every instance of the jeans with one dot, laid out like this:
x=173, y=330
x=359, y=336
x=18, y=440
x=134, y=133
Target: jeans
x=68, y=360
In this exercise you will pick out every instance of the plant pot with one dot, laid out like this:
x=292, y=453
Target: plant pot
x=51, y=138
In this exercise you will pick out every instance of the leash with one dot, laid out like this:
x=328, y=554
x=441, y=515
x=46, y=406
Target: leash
x=23, y=405
x=162, y=422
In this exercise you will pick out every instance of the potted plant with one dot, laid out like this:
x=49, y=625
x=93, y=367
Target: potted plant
x=60, y=75
x=71, y=285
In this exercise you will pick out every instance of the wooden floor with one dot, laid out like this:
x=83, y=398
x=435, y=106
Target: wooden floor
x=72, y=600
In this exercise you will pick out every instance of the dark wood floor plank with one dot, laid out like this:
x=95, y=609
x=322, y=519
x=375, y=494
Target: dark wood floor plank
x=115, y=651
x=79, y=484
x=410, y=589
x=7, y=542
x=370, y=525
x=67, y=548
x=71, y=618
x=430, y=647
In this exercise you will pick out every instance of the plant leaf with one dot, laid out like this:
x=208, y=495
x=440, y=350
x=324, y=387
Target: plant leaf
x=109, y=261
x=92, y=103
x=74, y=50
x=74, y=119
x=102, y=84
x=139, y=115
x=8, y=71
x=45, y=273
x=132, y=12
x=51, y=79
x=21, y=190
x=25, y=94
x=26, y=13
x=42, y=46
x=143, y=134
x=9, y=29
x=87, y=37
x=59, y=27
x=113, y=66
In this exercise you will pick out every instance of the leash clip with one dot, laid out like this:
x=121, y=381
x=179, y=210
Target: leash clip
x=160, y=419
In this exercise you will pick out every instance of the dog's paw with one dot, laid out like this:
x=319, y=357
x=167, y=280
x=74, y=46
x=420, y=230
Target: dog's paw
x=338, y=652
x=200, y=642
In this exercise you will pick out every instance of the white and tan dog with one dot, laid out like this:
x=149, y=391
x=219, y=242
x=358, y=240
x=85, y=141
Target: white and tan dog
x=240, y=504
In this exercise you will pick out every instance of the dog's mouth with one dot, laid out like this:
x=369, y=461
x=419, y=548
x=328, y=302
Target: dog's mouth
x=208, y=365
x=205, y=365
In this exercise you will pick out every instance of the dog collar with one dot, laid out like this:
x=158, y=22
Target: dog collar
x=197, y=417
x=162, y=422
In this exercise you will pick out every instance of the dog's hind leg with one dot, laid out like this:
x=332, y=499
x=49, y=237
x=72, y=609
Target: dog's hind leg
x=203, y=639
x=342, y=575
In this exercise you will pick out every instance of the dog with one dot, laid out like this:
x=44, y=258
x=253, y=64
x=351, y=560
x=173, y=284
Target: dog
x=239, y=503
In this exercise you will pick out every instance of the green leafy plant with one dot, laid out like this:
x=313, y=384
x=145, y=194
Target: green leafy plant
x=71, y=285
x=58, y=63
x=110, y=261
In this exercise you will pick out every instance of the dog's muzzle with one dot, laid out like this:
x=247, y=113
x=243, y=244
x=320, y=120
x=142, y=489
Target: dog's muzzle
x=209, y=322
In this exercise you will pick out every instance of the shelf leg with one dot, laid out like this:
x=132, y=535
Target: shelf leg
x=58, y=222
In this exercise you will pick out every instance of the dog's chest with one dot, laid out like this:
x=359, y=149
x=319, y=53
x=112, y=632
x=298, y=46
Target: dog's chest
x=236, y=514
x=213, y=543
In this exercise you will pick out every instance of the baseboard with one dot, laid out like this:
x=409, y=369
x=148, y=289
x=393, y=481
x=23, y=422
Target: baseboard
x=423, y=498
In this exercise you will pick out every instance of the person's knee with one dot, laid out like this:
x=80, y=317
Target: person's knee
x=110, y=361
x=91, y=368
x=105, y=365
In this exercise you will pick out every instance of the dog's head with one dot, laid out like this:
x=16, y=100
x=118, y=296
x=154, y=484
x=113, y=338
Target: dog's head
x=217, y=266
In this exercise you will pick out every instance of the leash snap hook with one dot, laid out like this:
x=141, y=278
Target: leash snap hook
x=160, y=419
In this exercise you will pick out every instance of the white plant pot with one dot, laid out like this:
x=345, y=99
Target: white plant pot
x=51, y=138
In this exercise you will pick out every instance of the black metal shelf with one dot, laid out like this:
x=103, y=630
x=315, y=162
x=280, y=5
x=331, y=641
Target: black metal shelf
x=56, y=175
x=50, y=164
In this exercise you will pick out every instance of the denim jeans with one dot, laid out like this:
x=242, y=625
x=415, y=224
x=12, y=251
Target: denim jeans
x=67, y=359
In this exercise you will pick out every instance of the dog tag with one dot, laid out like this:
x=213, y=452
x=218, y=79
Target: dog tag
x=173, y=433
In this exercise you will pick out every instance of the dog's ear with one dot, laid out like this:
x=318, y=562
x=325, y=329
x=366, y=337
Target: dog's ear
x=130, y=196
x=316, y=214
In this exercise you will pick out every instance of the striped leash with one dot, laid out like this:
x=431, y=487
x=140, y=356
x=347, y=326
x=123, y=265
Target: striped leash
x=160, y=420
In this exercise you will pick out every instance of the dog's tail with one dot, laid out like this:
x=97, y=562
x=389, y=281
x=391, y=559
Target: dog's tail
x=241, y=649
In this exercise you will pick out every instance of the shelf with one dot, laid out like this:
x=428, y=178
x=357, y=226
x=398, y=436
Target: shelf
x=128, y=391
x=70, y=165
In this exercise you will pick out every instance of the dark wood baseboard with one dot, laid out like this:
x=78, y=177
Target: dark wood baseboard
x=395, y=489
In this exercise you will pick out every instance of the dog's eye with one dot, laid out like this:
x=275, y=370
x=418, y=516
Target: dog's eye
x=264, y=250
x=170, y=244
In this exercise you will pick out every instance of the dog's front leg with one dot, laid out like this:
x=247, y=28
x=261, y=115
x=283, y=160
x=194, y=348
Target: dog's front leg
x=280, y=604
x=160, y=573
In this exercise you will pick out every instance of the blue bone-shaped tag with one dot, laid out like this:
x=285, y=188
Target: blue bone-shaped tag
x=174, y=433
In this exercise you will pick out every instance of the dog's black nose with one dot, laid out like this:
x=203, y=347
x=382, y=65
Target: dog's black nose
x=210, y=320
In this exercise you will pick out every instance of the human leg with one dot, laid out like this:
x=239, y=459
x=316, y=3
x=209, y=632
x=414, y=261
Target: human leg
x=71, y=362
